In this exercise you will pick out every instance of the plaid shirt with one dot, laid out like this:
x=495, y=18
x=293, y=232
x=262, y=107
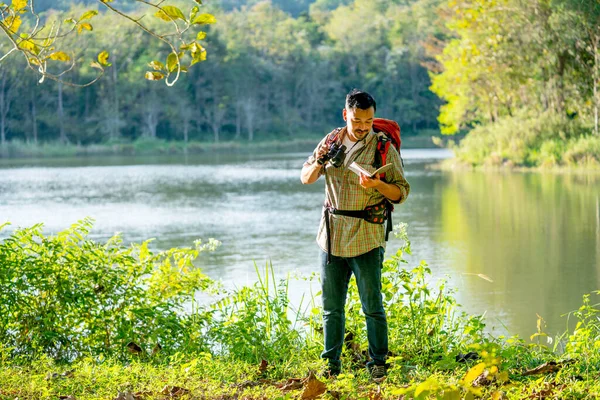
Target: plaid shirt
x=350, y=236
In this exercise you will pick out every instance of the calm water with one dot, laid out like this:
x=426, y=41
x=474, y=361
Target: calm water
x=536, y=236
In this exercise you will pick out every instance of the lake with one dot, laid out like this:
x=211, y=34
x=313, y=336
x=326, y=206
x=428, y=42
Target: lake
x=514, y=244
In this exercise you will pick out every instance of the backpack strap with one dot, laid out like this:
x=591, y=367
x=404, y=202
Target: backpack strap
x=383, y=145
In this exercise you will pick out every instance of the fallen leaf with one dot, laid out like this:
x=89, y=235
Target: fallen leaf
x=174, y=391
x=550, y=366
x=125, y=396
x=313, y=387
x=482, y=380
x=69, y=397
x=548, y=391
x=68, y=374
x=157, y=348
x=133, y=348
x=376, y=395
x=290, y=384
x=499, y=395
x=264, y=364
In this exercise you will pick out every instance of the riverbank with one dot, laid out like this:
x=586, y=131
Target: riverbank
x=150, y=147
x=114, y=329
x=544, y=142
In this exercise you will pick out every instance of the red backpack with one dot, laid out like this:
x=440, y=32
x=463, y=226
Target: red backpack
x=391, y=135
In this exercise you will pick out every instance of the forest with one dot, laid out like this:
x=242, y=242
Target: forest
x=521, y=77
x=269, y=73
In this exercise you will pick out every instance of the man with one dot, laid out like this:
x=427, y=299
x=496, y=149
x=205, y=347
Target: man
x=350, y=244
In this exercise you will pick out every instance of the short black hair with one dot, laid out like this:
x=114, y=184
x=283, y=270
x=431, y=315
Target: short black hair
x=359, y=99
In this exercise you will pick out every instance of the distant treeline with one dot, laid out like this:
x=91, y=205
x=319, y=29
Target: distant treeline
x=269, y=74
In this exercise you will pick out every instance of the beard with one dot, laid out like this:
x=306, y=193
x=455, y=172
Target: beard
x=359, y=134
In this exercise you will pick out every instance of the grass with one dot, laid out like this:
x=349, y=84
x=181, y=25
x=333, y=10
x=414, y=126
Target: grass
x=86, y=320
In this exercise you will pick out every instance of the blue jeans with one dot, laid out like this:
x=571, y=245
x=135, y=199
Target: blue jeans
x=334, y=284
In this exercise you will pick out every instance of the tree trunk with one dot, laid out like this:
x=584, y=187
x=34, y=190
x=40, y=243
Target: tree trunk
x=3, y=104
x=61, y=115
x=115, y=131
x=596, y=77
x=34, y=127
x=186, y=129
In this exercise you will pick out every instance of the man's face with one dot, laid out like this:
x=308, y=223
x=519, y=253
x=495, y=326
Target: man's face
x=359, y=122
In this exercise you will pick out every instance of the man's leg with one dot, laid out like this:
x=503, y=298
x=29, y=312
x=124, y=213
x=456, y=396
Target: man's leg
x=367, y=270
x=334, y=286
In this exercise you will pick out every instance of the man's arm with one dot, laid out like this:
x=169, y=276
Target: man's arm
x=312, y=170
x=396, y=189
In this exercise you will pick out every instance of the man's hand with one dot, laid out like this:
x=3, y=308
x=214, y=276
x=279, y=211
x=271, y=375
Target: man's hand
x=391, y=192
x=370, y=183
x=322, y=151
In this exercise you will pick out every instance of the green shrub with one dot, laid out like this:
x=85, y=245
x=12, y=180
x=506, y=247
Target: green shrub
x=67, y=296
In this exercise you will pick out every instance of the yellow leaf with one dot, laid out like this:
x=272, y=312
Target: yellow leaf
x=154, y=76
x=96, y=65
x=18, y=4
x=451, y=394
x=156, y=65
x=162, y=15
x=85, y=26
x=428, y=385
x=473, y=373
x=88, y=15
x=13, y=23
x=201, y=35
x=103, y=59
x=59, y=56
x=29, y=46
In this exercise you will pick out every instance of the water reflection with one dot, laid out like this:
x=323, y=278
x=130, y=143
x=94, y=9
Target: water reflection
x=535, y=235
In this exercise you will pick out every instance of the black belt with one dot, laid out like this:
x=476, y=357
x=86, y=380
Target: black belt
x=355, y=214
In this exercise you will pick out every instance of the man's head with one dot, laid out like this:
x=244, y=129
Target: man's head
x=359, y=113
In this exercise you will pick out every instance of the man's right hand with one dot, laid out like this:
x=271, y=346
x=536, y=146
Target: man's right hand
x=323, y=150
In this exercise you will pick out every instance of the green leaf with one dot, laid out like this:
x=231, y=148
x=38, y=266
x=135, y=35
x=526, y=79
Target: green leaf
x=103, y=59
x=85, y=26
x=88, y=15
x=156, y=65
x=204, y=19
x=70, y=21
x=170, y=13
x=172, y=62
x=59, y=56
x=201, y=35
x=154, y=76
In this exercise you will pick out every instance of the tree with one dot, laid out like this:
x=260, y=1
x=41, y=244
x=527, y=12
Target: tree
x=38, y=39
